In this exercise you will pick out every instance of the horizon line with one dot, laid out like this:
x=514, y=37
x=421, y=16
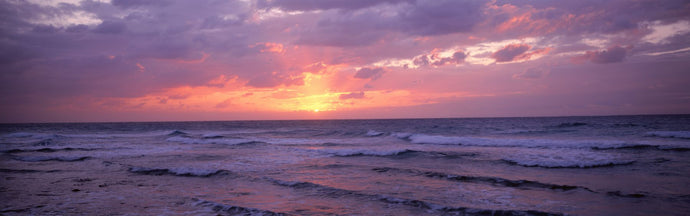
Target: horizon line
x=338, y=119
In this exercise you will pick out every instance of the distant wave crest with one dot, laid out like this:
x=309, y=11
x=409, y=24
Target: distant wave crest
x=226, y=141
x=180, y=171
x=670, y=134
x=565, y=159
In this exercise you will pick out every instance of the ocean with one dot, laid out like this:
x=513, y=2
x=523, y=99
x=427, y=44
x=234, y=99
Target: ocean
x=609, y=165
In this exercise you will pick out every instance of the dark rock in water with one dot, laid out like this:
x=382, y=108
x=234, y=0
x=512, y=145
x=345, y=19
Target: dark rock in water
x=75, y=190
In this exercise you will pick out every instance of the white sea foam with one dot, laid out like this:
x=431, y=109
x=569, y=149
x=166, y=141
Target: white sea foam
x=373, y=133
x=670, y=134
x=436, y=139
x=519, y=142
x=401, y=135
x=226, y=141
x=564, y=158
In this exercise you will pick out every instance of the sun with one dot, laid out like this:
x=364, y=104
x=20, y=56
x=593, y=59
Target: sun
x=316, y=110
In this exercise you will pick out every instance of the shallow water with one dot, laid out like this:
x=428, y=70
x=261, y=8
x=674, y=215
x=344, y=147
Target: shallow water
x=621, y=165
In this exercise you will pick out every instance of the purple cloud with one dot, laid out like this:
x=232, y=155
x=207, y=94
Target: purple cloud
x=91, y=49
x=510, y=52
x=611, y=55
x=275, y=80
x=139, y=3
x=532, y=73
x=457, y=58
x=110, y=27
x=308, y=5
x=352, y=95
x=369, y=25
x=370, y=73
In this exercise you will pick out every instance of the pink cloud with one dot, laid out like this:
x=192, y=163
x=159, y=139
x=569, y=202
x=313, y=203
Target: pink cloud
x=370, y=73
x=611, y=55
x=352, y=95
x=510, y=52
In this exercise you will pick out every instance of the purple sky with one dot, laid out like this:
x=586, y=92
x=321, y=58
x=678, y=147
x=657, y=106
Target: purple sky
x=165, y=60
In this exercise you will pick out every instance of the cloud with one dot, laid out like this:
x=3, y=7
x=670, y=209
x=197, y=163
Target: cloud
x=532, y=73
x=352, y=95
x=379, y=22
x=52, y=53
x=457, y=58
x=269, y=81
x=110, y=27
x=437, y=17
x=510, y=52
x=308, y=5
x=611, y=55
x=269, y=47
x=370, y=73
x=139, y=3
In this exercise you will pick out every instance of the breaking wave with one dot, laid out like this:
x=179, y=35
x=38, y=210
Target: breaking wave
x=226, y=141
x=49, y=150
x=670, y=134
x=234, y=210
x=565, y=159
x=189, y=172
x=483, y=179
x=366, y=152
x=436, y=208
x=51, y=158
x=522, y=142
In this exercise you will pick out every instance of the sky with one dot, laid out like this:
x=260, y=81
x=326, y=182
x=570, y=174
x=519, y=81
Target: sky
x=200, y=60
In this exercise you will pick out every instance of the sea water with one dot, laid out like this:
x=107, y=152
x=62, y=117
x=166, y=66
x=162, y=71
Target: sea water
x=616, y=165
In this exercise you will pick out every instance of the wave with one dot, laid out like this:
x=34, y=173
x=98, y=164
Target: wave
x=484, y=179
x=366, y=152
x=26, y=171
x=669, y=134
x=176, y=133
x=436, y=208
x=645, y=147
x=518, y=142
x=565, y=158
x=49, y=150
x=29, y=135
x=445, y=210
x=568, y=164
x=226, y=141
x=234, y=210
x=570, y=124
x=51, y=158
x=436, y=139
x=629, y=195
x=373, y=133
x=212, y=136
x=189, y=172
